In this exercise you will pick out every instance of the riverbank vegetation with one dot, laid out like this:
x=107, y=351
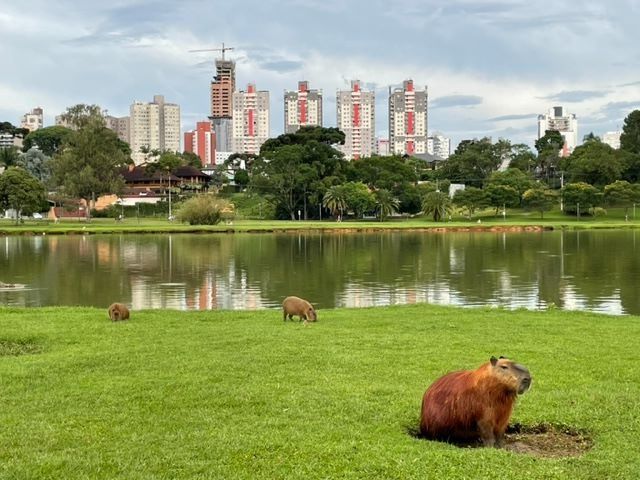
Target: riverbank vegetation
x=220, y=394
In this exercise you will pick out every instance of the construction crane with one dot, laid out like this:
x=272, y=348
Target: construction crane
x=223, y=49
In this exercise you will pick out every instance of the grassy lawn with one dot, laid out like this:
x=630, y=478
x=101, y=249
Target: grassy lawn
x=615, y=218
x=242, y=395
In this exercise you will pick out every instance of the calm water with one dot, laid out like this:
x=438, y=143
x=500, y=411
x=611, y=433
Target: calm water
x=597, y=271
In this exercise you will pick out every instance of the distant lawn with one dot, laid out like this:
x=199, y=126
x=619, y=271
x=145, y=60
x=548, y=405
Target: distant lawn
x=555, y=219
x=243, y=395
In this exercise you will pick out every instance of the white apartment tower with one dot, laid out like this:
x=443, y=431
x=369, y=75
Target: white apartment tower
x=356, y=118
x=302, y=108
x=439, y=145
x=154, y=125
x=120, y=125
x=560, y=120
x=250, y=120
x=32, y=120
x=408, y=120
x=612, y=139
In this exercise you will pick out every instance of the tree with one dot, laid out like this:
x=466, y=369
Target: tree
x=581, y=196
x=81, y=115
x=21, y=191
x=326, y=136
x=473, y=161
x=501, y=195
x=90, y=163
x=9, y=156
x=437, y=204
x=190, y=158
x=471, y=198
x=335, y=200
x=549, y=147
x=594, y=162
x=49, y=140
x=540, y=199
x=387, y=205
x=590, y=137
x=514, y=178
x=621, y=194
x=358, y=198
x=522, y=158
x=241, y=178
x=36, y=163
x=630, y=137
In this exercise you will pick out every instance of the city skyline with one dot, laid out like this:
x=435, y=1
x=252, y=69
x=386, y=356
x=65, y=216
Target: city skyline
x=490, y=67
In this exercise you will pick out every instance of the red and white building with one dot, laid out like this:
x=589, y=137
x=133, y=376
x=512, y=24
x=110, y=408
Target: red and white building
x=408, y=120
x=250, y=120
x=355, y=110
x=202, y=142
x=302, y=108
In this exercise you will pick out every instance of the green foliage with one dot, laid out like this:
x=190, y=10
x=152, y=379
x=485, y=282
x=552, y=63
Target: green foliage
x=549, y=147
x=335, y=200
x=81, y=115
x=305, y=135
x=36, y=163
x=203, y=209
x=502, y=196
x=522, y=158
x=622, y=194
x=7, y=127
x=386, y=204
x=539, y=199
x=630, y=137
x=471, y=198
x=298, y=173
x=474, y=161
x=91, y=162
x=21, y=191
x=594, y=162
x=49, y=140
x=190, y=158
x=358, y=198
x=581, y=193
x=437, y=204
x=9, y=156
x=241, y=178
x=250, y=205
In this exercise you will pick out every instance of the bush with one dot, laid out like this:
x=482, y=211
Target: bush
x=204, y=210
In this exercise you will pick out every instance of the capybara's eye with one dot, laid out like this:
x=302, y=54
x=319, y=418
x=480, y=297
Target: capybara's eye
x=504, y=367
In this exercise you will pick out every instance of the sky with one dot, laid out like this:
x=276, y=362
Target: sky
x=490, y=66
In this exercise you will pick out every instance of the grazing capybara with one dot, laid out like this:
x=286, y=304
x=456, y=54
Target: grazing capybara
x=476, y=404
x=297, y=306
x=118, y=311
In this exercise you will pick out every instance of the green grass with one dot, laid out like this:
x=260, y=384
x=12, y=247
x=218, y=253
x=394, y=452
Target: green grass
x=243, y=395
x=516, y=218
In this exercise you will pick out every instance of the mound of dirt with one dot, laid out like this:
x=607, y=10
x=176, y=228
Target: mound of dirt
x=545, y=440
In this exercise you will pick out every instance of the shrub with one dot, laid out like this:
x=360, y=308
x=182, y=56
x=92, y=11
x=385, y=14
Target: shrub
x=204, y=210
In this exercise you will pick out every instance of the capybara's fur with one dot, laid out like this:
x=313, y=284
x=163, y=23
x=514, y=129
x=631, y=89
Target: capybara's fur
x=473, y=404
x=118, y=311
x=297, y=306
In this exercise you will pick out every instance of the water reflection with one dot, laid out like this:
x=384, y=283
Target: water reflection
x=572, y=270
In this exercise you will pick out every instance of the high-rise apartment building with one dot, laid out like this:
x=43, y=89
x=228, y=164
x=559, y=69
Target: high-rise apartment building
x=120, y=125
x=355, y=111
x=439, y=146
x=562, y=121
x=222, y=87
x=32, y=120
x=202, y=142
x=250, y=120
x=302, y=108
x=612, y=139
x=408, y=120
x=154, y=125
x=382, y=147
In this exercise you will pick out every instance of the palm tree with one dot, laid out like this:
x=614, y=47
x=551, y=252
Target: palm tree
x=437, y=204
x=335, y=200
x=386, y=203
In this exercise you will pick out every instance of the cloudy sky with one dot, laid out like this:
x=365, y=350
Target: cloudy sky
x=490, y=66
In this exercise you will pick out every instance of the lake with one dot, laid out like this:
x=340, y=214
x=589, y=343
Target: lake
x=582, y=270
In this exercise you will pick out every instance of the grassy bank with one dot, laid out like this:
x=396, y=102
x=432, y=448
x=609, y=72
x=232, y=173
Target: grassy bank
x=244, y=395
x=483, y=221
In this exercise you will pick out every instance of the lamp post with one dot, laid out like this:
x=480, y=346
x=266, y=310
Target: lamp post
x=170, y=216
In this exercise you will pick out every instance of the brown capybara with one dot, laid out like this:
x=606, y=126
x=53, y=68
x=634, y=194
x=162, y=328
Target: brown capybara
x=297, y=306
x=473, y=404
x=118, y=311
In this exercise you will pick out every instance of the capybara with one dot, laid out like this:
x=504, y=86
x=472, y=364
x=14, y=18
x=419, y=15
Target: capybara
x=476, y=404
x=118, y=311
x=297, y=306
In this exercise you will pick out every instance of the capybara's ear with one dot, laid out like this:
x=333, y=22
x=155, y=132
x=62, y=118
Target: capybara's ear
x=502, y=356
x=493, y=361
